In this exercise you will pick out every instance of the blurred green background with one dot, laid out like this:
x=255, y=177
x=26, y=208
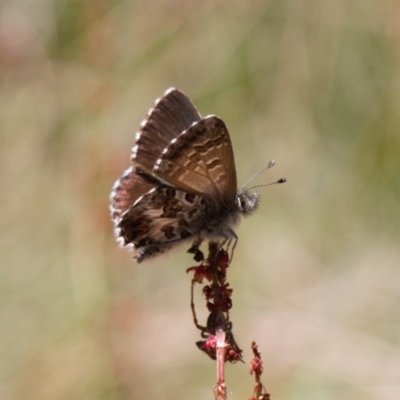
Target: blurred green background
x=314, y=85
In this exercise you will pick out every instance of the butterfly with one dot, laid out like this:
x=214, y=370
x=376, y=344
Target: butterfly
x=181, y=184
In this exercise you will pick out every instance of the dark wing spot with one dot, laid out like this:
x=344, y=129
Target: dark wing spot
x=168, y=231
x=185, y=234
x=220, y=140
x=171, y=207
x=204, y=147
x=200, y=148
x=214, y=163
x=170, y=192
x=189, y=197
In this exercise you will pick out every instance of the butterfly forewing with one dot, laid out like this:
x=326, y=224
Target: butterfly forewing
x=171, y=115
x=201, y=160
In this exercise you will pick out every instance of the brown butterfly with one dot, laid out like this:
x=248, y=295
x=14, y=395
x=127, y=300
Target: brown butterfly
x=182, y=181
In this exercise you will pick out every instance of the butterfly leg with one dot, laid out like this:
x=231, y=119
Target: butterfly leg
x=235, y=240
x=228, y=241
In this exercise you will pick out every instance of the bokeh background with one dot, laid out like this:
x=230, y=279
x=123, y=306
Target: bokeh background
x=313, y=84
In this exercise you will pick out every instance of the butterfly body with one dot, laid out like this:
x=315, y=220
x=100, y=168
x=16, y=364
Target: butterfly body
x=182, y=182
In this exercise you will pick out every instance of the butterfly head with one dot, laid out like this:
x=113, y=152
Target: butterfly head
x=247, y=203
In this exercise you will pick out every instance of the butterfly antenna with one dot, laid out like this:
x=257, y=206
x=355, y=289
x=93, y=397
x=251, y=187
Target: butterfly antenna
x=270, y=165
x=282, y=180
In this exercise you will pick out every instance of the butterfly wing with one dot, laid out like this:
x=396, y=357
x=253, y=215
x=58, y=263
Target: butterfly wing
x=128, y=189
x=200, y=160
x=160, y=219
x=171, y=115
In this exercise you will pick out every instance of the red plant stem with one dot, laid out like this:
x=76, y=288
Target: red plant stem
x=221, y=347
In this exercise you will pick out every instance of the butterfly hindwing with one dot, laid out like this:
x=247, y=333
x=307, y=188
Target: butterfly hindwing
x=163, y=216
x=127, y=189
